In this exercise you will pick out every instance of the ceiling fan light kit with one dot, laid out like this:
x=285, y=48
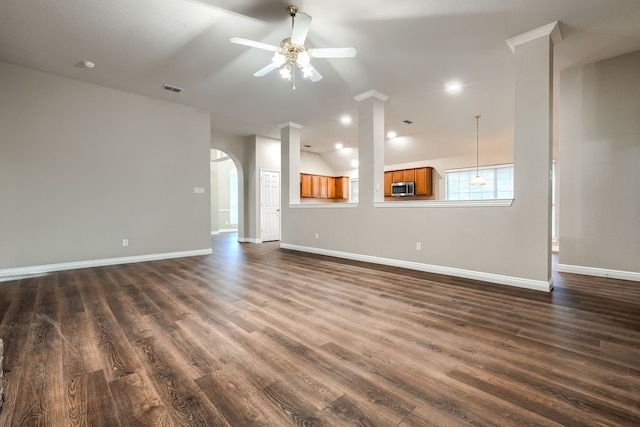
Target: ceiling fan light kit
x=293, y=51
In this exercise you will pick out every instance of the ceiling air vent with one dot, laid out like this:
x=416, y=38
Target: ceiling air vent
x=172, y=88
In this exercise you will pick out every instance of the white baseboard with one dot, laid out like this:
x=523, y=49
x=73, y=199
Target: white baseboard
x=40, y=269
x=519, y=282
x=248, y=240
x=599, y=272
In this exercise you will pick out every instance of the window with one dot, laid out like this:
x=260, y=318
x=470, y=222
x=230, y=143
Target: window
x=499, y=183
x=353, y=187
x=233, y=197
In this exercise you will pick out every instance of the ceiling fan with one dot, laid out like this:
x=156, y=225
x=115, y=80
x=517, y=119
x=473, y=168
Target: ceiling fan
x=293, y=51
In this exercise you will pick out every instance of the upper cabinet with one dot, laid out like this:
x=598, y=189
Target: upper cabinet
x=408, y=175
x=422, y=177
x=342, y=187
x=424, y=181
x=388, y=179
x=305, y=185
x=331, y=187
x=324, y=187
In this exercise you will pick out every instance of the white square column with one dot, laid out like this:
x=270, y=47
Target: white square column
x=371, y=146
x=290, y=163
x=533, y=138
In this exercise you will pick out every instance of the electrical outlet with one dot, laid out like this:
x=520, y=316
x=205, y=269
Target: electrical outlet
x=125, y=242
x=418, y=246
x=317, y=235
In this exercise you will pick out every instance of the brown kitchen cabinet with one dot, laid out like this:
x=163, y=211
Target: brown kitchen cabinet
x=408, y=175
x=342, y=187
x=422, y=177
x=388, y=179
x=305, y=185
x=315, y=186
x=424, y=181
x=324, y=187
x=331, y=187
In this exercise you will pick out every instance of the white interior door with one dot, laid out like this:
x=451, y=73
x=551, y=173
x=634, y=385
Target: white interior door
x=269, y=205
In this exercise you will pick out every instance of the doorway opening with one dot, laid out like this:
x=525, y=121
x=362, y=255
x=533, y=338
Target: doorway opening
x=225, y=192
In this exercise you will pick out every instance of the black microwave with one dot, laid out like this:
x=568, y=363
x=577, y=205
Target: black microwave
x=400, y=189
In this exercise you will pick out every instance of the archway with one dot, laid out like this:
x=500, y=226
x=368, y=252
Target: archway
x=226, y=193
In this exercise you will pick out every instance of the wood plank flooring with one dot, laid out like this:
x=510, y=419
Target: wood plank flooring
x=254, y=335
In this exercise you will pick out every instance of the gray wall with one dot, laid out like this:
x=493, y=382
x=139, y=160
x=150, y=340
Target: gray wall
x=313, y=163
x=600, y=156
x=265, y=154
x=510, y=242
x=83, y=167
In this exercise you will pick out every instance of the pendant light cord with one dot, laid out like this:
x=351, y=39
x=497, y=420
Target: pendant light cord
x=477, y=144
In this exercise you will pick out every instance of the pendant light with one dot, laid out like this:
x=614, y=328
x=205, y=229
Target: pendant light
x=477, y=180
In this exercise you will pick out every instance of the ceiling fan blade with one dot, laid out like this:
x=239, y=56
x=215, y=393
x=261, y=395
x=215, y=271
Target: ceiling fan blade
x=301, y=24
x=266, y=70
x=252, y=43
x=315, y=75
x=333, y=52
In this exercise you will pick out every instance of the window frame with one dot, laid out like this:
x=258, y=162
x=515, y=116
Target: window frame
x=472, y=170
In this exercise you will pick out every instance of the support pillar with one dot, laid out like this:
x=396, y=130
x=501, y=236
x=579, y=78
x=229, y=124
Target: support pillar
x=533, y=134
x=290, y=163
x=371, y=147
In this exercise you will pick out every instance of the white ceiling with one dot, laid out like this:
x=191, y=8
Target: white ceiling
x=407, y=50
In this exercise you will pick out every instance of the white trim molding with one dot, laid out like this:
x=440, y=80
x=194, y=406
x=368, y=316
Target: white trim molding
x=519, y=282
x=48, y=268
x=599, y=272
x=445, y=203
x=322, y=205
x=249, y=240
x=290, y=125
x=552, y=29
x=371, y=94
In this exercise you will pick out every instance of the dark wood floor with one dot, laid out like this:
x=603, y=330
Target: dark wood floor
x=256, y=335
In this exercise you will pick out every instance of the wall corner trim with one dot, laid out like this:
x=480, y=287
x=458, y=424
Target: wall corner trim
x=538, y=285
x=552, y=29
x=48, y=268
x=371, y=94
x=599, y=272
x=290, y=125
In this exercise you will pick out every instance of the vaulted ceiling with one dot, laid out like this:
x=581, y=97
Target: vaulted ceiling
x=407, y=50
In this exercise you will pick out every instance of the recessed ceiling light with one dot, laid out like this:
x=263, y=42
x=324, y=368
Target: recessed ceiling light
x=88, y=64
x=391, y=134
x=407, y=122
x=346, y=120
x=339, y=146
x=453, y=87
x=354, y=163
x=307, y=146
